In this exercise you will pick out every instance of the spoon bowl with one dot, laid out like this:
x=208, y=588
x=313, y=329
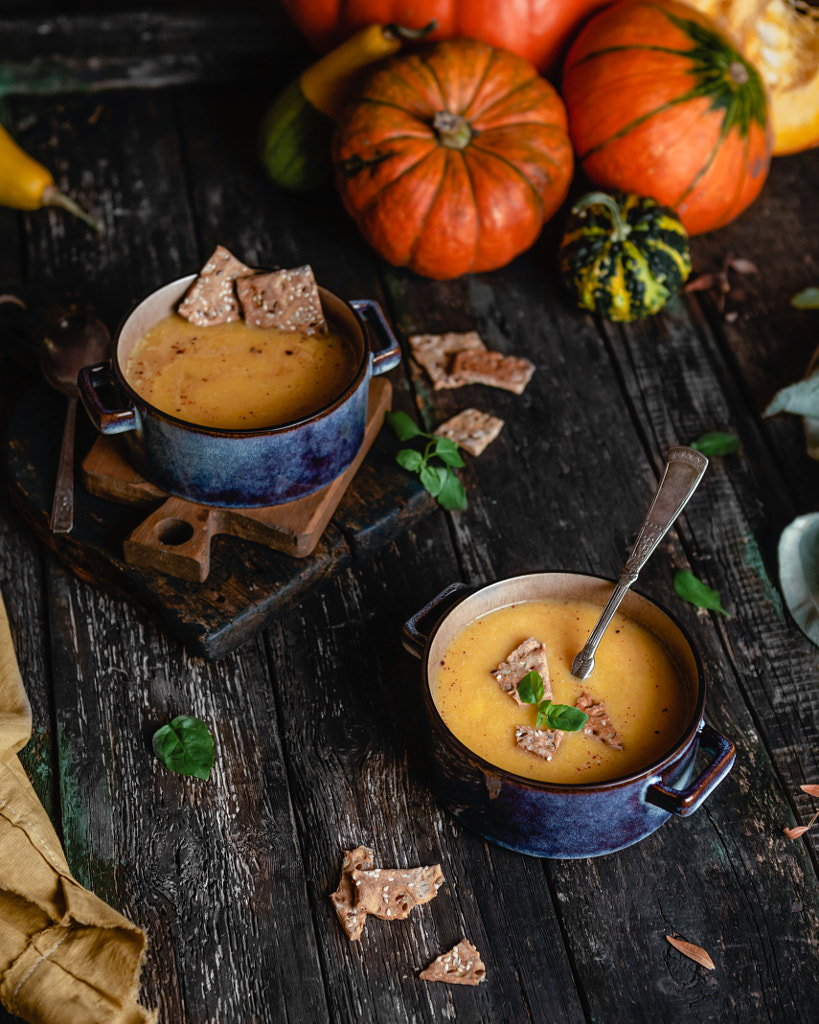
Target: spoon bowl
x=74, y=341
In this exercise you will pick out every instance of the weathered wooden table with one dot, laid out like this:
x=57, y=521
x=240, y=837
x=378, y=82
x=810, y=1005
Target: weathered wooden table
x=316, y=716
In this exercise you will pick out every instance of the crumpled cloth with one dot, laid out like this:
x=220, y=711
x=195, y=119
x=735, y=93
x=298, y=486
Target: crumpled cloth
x=66, y=957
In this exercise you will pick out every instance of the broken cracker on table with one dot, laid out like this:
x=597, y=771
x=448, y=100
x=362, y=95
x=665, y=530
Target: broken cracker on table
x=540, y=742
x=471, y=429
x=211, y=299
x=599, y=726
x=462, y=965
x=285, y=299
x=391, y=893
x=352, y=918
x=511, y=373
x=435, y=352
x=529, y=656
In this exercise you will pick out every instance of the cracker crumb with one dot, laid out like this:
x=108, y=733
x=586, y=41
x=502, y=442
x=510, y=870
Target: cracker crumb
x=462, y=965
x=211, y=299
x=599, y=726
x=406, y=889
x=494, y=369
x=471, y=429
x=435, y=352
x=530, y=656
x=351, y=916
x=540, y=742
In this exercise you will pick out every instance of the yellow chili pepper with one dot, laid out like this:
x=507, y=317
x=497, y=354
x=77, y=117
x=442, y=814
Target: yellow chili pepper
x=26, y=185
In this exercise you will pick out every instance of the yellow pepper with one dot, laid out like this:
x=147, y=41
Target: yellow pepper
x=26, y=185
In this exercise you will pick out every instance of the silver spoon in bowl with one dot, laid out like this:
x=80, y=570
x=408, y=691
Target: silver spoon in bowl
x=76, y=340
x=683, y=471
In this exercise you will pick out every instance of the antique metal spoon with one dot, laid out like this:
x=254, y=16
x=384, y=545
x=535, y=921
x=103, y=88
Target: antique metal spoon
x=77, y=340
x=684, y=469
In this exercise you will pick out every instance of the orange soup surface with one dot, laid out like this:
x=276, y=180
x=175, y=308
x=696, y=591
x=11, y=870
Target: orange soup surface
x=237, y=377
x=636, y=677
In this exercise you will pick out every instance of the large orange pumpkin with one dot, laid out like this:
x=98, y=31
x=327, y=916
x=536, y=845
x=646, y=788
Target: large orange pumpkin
x=538, y=30
x=451, y=160
x=661, y=104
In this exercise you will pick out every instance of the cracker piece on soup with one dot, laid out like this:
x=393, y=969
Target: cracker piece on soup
x=435, y=353
x=599, y=726
x=211, y=299
x=530, y=656
x=462, y=965
x=493, y=368
x=352, y=918
x=391, y=893
x=540, y=742
x=285, y=299
x=471, y=429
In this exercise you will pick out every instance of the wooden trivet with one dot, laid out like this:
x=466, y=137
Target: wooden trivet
x=176, y=537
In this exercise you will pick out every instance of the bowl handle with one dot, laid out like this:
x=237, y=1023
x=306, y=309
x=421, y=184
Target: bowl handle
x=414, y=638
x=107, y=421
x=390, y=356
x=685, y=801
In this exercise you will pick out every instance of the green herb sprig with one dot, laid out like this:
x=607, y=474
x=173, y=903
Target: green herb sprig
x=552, y=716
x=185, y=746
x=439, y=480
x=696, y=592
x=717, y=443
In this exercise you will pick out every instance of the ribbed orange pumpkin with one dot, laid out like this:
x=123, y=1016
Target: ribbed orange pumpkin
x=451, y=160
x=663, y=105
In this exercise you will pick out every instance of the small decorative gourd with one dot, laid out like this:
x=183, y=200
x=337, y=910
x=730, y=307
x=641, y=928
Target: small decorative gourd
x=623, y=256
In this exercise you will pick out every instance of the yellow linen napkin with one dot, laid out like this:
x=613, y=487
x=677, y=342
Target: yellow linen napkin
x=65, y=956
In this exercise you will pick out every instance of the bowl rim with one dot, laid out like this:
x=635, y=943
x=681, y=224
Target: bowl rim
x=650, y=773
x=180, y=285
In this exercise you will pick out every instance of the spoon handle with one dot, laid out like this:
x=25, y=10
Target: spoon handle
x=62, y=510
x=684, y=469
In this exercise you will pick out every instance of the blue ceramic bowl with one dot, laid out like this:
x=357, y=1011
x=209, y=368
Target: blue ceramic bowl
x=240, y=468
x=564, y=821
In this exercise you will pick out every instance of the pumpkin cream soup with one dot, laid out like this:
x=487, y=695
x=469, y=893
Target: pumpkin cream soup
x=234, y=376
x=646, y=701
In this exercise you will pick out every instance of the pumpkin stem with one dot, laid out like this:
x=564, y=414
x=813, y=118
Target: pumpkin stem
x=452, y=129
x=621, y=228
x=738, y=72
x=397, y=31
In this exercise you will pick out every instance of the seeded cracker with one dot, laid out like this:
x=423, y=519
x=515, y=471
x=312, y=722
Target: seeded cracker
x=541, y=742
x=530, y=656
x=599, y=726
x=435, y=353
x=471, y=429
x=493, y=368
x=462, y=965
x=352, y=918
x=286, y=299
x=211, y=299
x=390, y=893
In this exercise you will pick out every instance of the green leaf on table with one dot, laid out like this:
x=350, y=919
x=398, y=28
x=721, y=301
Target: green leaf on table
x=696, y=592
x=409, y=458
x=452, y=496
x=530, y=688
x=801, y=398
x=185, y=745
x=447, y=451
x=433, y=478
x=717, y=443
x=808, y=298
x=799, y=573
x=402, y=426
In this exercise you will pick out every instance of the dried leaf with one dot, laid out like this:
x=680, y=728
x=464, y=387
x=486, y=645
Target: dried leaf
x=742, y=266
x=800, y=830
x=810, y=790
x=696, y=953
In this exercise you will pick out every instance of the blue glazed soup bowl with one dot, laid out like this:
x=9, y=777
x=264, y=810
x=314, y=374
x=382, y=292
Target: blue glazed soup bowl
x=564, y=821
x=240, y=468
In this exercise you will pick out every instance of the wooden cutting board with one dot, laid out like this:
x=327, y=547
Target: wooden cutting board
x=248, y=584
x=176, y=537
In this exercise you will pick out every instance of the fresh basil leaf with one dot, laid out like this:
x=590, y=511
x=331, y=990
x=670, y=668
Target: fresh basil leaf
x=410, y=459
x=530, y=688
x=185, y=746
x=402, y=426
x=450, y=458
x=808, y=298
x=717, y=443
x=445, y=444
x=565, y=717
x=696, y=592
x=801, y=398
x=433, y=478
x=452, y=495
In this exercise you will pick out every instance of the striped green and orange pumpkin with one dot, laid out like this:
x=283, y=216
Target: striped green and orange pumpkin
x=661, y=104
x=623, y=256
